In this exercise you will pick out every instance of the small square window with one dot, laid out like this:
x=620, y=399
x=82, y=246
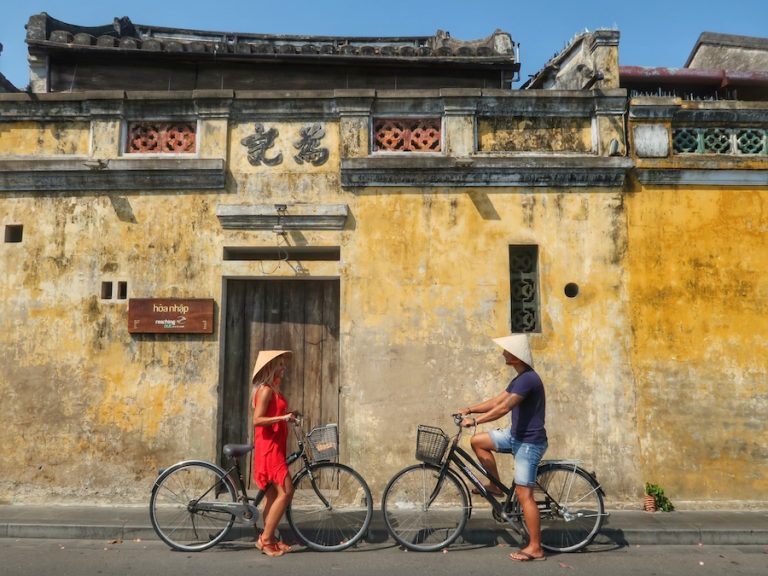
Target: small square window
x=106, y=290
x=122, y=290
x=14, y=233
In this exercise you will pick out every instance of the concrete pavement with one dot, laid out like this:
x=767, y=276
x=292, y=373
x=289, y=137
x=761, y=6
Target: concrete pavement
x=622, y=527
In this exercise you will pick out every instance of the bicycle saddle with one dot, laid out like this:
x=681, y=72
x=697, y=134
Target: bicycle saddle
x=237, y=450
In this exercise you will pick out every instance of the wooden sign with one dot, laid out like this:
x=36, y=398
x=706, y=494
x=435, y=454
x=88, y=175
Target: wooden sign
x=170, y=315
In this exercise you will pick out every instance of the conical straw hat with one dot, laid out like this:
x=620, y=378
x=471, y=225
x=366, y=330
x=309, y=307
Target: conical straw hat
x=264, y=358
x=517, y=345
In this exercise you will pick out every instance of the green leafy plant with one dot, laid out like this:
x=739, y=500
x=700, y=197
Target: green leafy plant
x=657, y=492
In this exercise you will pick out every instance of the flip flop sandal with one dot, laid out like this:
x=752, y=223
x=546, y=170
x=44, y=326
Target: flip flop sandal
x=526, y=557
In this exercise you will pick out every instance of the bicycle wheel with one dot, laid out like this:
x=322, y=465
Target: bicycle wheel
x=423, y=512
x=178, y=506
x=331, y=507
x=571, y=505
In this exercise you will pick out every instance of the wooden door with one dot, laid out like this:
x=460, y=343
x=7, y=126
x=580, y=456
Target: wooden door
x=297, y=315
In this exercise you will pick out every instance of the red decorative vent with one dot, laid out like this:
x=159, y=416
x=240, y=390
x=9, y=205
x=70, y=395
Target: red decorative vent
x=407, y=134
x=161, y=138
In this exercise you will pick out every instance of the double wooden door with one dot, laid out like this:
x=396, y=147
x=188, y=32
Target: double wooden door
x=297, y=315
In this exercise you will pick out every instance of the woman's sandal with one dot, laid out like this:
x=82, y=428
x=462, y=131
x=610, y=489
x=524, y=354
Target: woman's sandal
x=284, y=547
x=271, y=549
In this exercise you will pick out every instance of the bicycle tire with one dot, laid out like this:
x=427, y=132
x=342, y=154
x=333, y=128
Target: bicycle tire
x=572, y=509
x=416, y=523
x=172, y=505
x=331, y=508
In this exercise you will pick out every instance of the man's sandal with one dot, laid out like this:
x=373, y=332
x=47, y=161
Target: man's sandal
x=526, y=557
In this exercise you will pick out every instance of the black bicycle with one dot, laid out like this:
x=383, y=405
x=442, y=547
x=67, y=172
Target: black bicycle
x=195, y=503
x=426, y=506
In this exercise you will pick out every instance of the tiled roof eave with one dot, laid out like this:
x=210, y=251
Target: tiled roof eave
x=498, y=61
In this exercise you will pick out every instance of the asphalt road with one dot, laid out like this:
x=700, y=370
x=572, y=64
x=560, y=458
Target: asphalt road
x=144, y=558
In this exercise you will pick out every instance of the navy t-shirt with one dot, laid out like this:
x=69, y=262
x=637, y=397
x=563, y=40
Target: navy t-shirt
x=528, y=415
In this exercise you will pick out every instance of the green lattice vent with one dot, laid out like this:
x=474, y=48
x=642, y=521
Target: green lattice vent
x=733, y=141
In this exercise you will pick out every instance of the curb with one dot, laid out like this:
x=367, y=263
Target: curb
x=478, y=531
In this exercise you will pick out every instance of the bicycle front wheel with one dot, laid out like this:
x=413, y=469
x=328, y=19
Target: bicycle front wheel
x=331, y=507
x=183, y=505
x=423, y=511
x=571, y=506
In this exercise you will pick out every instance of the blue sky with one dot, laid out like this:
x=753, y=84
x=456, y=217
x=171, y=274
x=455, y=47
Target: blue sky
x=653, y=33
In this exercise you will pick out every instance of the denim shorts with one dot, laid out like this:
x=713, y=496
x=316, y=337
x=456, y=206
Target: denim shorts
x=527, y=455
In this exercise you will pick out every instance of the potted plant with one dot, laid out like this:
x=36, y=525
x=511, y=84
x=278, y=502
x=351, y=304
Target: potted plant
x=655, y=499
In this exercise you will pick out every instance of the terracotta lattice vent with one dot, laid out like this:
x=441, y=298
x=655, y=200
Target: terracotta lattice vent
x=161, y=138
x=407, y=134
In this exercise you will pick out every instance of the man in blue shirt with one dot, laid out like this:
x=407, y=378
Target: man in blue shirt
x=526, y=438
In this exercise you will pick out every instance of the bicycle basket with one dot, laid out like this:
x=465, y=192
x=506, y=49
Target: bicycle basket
x=324, y=442
x=431, y=444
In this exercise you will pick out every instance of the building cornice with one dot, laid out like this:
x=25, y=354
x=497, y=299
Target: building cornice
x=549, y=171
x=84, y=174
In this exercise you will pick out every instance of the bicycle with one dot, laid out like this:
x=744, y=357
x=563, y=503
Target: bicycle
x=195, y=503
x=426, y=506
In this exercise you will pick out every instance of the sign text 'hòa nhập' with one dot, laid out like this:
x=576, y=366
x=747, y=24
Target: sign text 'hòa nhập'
x=170, y=315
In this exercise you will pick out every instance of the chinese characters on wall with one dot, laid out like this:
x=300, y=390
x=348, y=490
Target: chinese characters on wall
x=260, y=146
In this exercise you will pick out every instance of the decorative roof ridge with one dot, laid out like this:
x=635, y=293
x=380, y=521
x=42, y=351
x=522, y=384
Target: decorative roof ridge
x=43, y=30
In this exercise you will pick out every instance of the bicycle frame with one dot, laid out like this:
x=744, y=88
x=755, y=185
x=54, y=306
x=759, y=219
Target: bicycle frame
x=568, y=498
x=465, y=464
x=246, y=508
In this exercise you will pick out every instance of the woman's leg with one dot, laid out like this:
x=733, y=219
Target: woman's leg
x=276, y=501
x=270, y=493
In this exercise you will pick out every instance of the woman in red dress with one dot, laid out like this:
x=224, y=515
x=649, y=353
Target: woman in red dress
x=270, y=433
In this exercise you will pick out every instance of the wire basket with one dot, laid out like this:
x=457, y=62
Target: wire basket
x=431, y=444
x=324, y=442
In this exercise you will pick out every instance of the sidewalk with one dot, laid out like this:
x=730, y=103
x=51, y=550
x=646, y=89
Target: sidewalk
x=622, y=527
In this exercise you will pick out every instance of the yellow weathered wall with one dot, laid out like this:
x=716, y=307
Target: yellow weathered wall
x=420, y=345
x=96, y=411
x=44, y=138
x=93, y=411
x=697, y=262
x=653, y=371
x=541, y=134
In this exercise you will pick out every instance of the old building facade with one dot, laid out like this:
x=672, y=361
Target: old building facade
x=383, y=207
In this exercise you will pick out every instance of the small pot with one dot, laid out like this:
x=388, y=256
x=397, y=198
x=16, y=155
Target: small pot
x=649, y=504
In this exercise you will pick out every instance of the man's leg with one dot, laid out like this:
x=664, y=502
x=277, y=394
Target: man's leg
x=483, y=447
x=532, y=523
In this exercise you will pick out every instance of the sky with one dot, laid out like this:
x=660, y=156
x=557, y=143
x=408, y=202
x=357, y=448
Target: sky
x=652, y=32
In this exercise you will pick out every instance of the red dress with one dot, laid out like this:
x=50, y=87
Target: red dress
x=269, y=442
